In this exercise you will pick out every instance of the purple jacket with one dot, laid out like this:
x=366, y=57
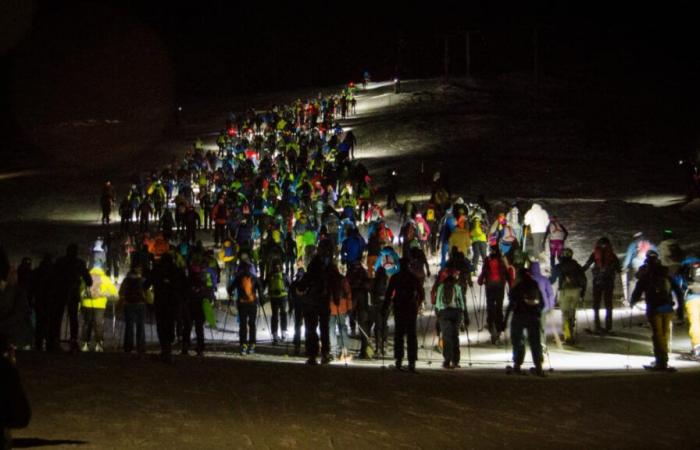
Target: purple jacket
x=545, y=286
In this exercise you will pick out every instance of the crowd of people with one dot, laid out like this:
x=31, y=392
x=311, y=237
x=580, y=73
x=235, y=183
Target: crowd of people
x=298, y=222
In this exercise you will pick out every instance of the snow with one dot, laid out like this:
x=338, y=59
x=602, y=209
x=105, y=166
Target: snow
x=487, y=139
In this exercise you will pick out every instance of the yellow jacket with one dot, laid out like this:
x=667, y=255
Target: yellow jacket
x=102, y=288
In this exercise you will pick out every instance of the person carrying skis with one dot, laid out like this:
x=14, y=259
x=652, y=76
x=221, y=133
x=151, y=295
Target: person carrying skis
x=450, y=306
x=654, y=282
x=557, y=234
x=402, y=293
x=605, y=267
x=526, y=304
x=495, y=276
x=572, y=287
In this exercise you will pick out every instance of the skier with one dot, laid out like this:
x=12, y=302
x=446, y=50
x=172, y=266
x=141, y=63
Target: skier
x=402, y=293
x=690, y=283
x=296, y=309
x=479, y=234
x=168, y=283
x=93, y=307
x=377, y=317
x=536, y=221
x=107, y=199
x=450, y=306
x=69, y=271
x=671, y=256
x=571, y=288
x=557, y=234
x=43, y=279
x=277, y=288
x=495, y=276
x=634, y=258
x=655, y=283
x=605, y=267
x=340, y=310
x=548, y=299
x=359, y=286
x=320, y=285
x=352, y=249
x=248, y=294
x=525, y=302
x=132, y=299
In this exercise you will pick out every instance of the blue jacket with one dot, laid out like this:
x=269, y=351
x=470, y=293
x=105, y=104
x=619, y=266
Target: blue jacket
x=389, y=259
x=352, y=249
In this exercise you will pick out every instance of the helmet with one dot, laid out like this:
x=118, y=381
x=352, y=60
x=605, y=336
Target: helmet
x=652, y=254
x=568, y=253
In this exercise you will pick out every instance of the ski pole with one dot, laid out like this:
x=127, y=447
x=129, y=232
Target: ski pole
x=469, y=347
x=223, y=331
x=629, y=340
x=342, y=340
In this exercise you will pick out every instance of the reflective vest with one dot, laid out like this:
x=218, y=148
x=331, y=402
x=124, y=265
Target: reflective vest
x=102, y=288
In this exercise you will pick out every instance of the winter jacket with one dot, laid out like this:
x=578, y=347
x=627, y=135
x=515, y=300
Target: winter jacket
x=537, y=219
x=569, y=274
x=461, y=239
x=544, y=285
x=606, y=265
x=402, y=293
x=636, y=254
x=525, y=298
x=352, y=249
x=132, y=290
x=101, y=289
x=655, y=283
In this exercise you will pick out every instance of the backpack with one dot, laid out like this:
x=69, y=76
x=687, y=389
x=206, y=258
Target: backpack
x=495, y=274
x=246, y=293
x=430, y=214
x=448, y=299
x=277, y=288
x=421, y=230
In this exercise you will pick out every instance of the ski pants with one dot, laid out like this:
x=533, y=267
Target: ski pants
x=317, y=316
x=298, y=321
x=338, y=326
x=93, y=319
x=604, y=292
x=449, y=324
x=279, y=315
x=692, y=311
x=247, y=315
x=494, y=308
x=165, y=326
x=363, y=322
x=479, y=251
x=568, y=298
x=518, y=325
x=135, y=316
x=63, y=301
x=193, y=312
x=405, y=327
x=377, y=322
x=537, y=243
x=660, y=335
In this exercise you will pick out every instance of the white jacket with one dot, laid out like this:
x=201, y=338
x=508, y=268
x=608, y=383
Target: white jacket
x=537, y=219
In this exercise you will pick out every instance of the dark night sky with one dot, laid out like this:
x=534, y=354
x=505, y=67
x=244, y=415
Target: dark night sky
x=63, y=60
